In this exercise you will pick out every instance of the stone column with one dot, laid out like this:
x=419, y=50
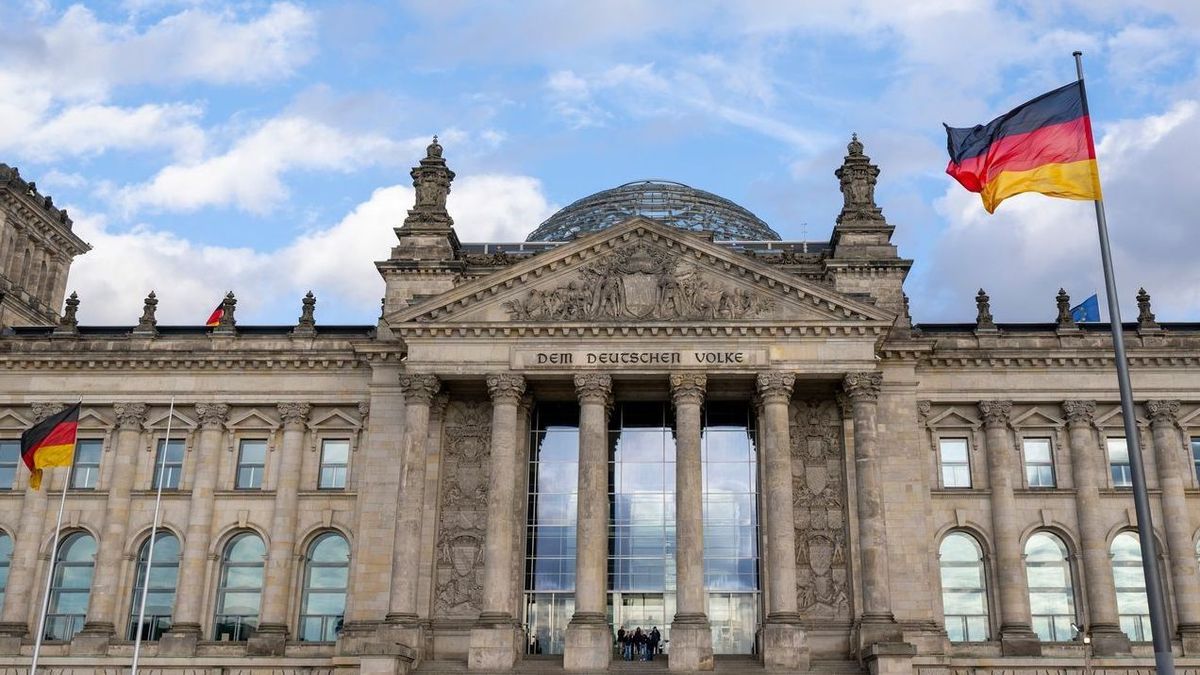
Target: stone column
x=102, y=608
x=181, y=639
x=418, y=392
x=495, y=639
x=784, y=641
x=1174, y=466
x=589, y=637
x=1090, y=471
x=1016, y=625
x=272, y=632
x=691, y=634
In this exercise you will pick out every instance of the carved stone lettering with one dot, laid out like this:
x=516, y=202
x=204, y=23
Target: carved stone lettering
x=458, y=591
x=819, y=503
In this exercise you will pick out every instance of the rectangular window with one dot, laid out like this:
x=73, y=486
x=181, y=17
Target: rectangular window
x=1118, y=461
x=1196, y=456
x=168, y=464
x=1039, y=462
x=85, y=471
x=252, y=459
x=334, y=457
x=956, y=464
x=10, y=457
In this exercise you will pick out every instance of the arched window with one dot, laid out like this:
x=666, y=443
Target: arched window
x=160, y=599
x=1051, y=593
x=239, y=594
x=6, y=548
x=70, y=586
x=1130, y=580
x=326, y=571
x=964, y=588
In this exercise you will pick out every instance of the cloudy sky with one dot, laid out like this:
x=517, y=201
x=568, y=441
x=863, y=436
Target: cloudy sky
x=265, y=147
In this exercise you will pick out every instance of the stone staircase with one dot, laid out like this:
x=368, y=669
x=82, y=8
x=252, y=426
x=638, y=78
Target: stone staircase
x=548, y=665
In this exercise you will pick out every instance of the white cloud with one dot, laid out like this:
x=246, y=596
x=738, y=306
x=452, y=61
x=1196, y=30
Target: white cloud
x=91, y=129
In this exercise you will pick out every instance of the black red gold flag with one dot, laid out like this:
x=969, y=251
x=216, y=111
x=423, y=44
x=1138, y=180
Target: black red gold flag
x=50, y=442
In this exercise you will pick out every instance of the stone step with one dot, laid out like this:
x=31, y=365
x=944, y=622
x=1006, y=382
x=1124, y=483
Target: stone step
x=725, y=665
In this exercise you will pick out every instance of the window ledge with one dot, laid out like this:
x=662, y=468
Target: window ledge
x=961, y=492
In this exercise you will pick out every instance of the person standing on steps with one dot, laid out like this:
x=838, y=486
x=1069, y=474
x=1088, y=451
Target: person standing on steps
x=622, y=643
x=653, y=640
x=639, y=644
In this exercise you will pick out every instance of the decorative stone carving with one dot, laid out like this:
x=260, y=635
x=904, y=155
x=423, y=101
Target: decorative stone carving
x=307, y=323
x=1163, y=412
x=213, y=415
x=857, y=176
x=983, y=312
x=419, y=387
x=294, y=413
x=819, y=507
x=775, y=385
x=995, y=413
x=431, y=181
x=68, y=324
x=458, y=589
x=148, y=322
x=593, y=387
x=1145, y=316
x=1079, y=412
x=688, y=388
x=130, y=415
x=228, y=305
x=924, y=410
x=639, y=282
x=506, y=387
x=499, y=259
x=41, y=410
x=1065, y=320
x=863, y=386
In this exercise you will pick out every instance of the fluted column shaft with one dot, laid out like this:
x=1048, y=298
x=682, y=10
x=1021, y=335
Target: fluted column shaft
x=506, y=391
x=591, y=525
x=189, y=600
x=775, y=391
x=1173, y=466
x=687, y=393
x=863, y=391
x=102, y=607
x=277, y=588
x=418, y=392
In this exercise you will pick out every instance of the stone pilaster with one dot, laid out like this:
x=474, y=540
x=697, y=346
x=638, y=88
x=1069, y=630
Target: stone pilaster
x=495, y=643
x=784, y=641
x=691, y=634
x=181, y=639
x=272, y=631
x=1173, y=467
x=1090, y=471
x=1016, y=628
x=102, y=608
x=588, y=640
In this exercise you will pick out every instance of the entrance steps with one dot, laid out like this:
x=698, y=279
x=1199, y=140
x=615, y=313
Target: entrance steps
x=552, y=665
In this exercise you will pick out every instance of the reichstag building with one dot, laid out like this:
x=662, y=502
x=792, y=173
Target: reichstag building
x=652, y=413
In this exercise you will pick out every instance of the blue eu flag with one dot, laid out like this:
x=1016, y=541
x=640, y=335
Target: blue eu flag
x=1088, y=310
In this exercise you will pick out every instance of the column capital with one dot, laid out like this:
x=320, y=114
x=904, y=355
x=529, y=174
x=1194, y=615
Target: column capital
x=995, y=413
x=506, y=388
x=688, y=387
x=1079, y=412
x=419, y=387
x=775, y=385
x=1163, y=412
x=294, y=413
x=863, y=387
x=438, y=403
x=212, y=415
x=593, y=388
x=130, y=415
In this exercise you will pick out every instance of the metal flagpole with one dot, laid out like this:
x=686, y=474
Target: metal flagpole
x=41, y=629
x=137, y=641
x=1164, y=659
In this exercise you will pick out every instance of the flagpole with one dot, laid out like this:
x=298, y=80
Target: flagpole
x=41, y=629
x=1164, y=659
x=137, y=641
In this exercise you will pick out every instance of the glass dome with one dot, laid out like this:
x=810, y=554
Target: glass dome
x=674, y=204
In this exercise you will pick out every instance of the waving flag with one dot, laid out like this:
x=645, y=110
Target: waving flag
x=50, y=442
x=214, y=319
x=1088, y=310
x=1044, y=145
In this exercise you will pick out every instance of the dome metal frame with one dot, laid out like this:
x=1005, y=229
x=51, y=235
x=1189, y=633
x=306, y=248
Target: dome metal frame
x=674, y=204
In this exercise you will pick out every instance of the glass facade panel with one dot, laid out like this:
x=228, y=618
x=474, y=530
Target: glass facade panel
x=327, y=572
x=1051, y=593
x=964, y=588
x=85, y=469
x=160, y=599
x=6, y=549
x=1130, y=581
x=10, y=456
x=239, y=594
x=70, y=587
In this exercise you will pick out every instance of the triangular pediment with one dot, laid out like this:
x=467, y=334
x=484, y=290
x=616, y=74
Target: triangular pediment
x=640, y=272
x=252, y=419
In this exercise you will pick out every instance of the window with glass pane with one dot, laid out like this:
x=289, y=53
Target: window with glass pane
x=334, y=457
x=325, y=578
x=70, y=587
x=1051, y=593
x=160, y=597
x=1132, y=606
x=1039, y=462
x=10, y=456
x=85, y=470
x=964, y=588
x=955, y=462
x=168, y=464
x=1118, y=462
x=6, y=549
x=252, y=459
x=1196, y=456
x=239, y=592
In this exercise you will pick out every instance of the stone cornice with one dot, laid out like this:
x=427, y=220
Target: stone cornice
x=159, y=362
x=1033, y=359
x=698, y=329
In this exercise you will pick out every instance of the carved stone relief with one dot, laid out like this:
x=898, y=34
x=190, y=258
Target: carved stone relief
x=639, y=282
x=819, y=503
x=458, y=591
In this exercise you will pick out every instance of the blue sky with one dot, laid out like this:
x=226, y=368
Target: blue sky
x=265, y=146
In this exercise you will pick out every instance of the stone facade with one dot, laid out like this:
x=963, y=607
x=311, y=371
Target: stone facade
x=409, y=441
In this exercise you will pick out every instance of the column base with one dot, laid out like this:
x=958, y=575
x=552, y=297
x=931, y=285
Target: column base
x=1189, y=635
x=878, y=629
x=180, y=640
x=12, y=634
x=784, y=646
x=384, y=665
x=93, y=640
x=691, y=644
x=889, y=658
x=589, y=643
x=1108, y=640
x=1019, y=641
x=269, y=639
x=495, y=643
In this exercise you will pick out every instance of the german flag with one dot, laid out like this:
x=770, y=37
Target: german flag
x=214, y=319
x=50, y=442
x=1044, y=145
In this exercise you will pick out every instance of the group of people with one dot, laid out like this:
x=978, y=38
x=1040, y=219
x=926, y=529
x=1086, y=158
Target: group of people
x=638, y=643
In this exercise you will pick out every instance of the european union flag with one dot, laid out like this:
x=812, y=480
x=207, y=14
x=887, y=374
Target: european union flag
x=1088, y=310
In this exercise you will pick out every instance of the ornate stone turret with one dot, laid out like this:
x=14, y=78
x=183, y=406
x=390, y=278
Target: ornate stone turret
x=857, y=176
x=227, y=325
x=1066, y=322
x=148, y=323
x=983, y=314
x=1146, y=320
x=68, y=325
x=307, y=323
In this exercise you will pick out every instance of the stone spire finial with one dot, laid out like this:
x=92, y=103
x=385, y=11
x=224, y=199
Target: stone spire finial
x=1065, y=320
x=983, y=313
x=68, y=324
x=1145, y=315
x=307, y=323
x=431, y=179
x=857, y=176
x=148, y=323
x=226, y=324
